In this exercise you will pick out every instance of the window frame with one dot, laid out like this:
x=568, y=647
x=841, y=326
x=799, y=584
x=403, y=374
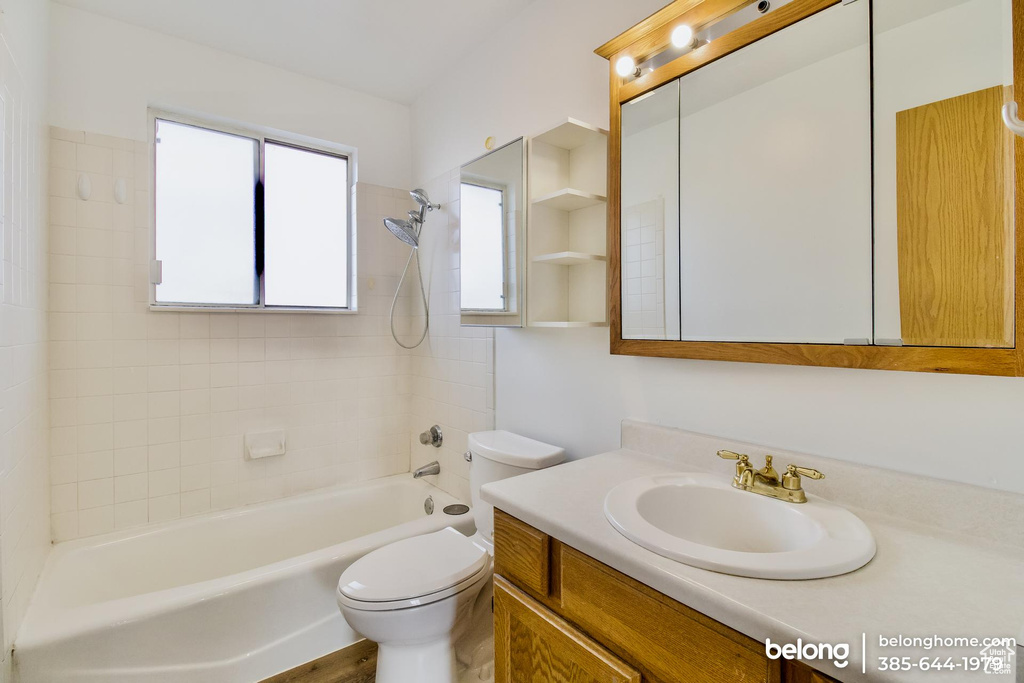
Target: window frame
x=262, y=136
x=503, y=189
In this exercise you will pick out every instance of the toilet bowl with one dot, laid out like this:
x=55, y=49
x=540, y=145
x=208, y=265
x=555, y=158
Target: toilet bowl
x=417, y=597
x=412, y=597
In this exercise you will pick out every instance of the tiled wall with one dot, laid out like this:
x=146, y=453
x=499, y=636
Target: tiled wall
x=149, y=409
x=644, y=276
x=24, y=497
x=453, y=384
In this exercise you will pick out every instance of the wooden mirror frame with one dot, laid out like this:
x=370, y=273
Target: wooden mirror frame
x=650, y=37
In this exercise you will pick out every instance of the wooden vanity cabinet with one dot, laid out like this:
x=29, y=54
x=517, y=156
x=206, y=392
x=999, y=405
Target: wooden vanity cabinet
x=560, y=615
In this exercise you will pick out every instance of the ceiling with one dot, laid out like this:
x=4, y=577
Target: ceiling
x=388, y=48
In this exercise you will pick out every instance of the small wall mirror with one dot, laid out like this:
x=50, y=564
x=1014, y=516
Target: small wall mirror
x=491, y=237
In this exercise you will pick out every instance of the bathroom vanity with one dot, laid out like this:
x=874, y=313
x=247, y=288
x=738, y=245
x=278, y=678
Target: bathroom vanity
x=576, y=597
x=558, y=611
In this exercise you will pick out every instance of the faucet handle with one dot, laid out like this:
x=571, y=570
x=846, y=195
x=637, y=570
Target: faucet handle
x=791, y=480
x=729, y=455
x=805, y=472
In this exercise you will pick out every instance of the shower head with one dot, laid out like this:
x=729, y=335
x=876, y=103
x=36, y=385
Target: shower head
x=403, y=230
x=421, y=198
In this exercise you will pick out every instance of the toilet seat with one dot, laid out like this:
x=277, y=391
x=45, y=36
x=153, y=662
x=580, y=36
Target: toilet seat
x=414, y=571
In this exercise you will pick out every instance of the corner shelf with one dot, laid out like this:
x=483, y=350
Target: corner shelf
x=572, y=133
x=569, y=199
x=569, y=258
x=566, y=227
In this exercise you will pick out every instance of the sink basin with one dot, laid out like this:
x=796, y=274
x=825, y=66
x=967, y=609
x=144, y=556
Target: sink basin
x=701, y=520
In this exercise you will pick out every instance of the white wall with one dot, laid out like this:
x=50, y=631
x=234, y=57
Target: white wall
x=526, y=77
x=453, y=372
x=24, y=494
x=564, y=387
x=105, y=73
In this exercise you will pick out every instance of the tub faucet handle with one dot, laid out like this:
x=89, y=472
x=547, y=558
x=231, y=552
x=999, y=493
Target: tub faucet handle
x=432, y=437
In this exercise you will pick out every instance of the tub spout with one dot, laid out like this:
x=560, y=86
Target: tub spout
x=429, y=468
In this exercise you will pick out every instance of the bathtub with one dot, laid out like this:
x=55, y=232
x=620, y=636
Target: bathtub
x=233, y=596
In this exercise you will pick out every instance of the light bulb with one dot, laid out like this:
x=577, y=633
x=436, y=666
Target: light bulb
x=625, y=66
x=682, y=36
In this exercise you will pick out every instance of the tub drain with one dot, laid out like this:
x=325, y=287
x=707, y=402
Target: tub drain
x=456, y=509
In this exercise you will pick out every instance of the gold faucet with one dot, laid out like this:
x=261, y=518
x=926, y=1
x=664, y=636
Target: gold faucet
x=766, y=481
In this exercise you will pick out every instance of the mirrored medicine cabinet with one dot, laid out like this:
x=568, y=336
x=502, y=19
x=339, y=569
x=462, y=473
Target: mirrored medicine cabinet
x=492, y=233
x=818, y=182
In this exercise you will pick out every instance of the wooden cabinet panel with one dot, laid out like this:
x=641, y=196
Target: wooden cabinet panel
x=664, y=639
x=533, y=645
x=601, y=625
x=522, y=554
x=795, y=672
x=954, y=172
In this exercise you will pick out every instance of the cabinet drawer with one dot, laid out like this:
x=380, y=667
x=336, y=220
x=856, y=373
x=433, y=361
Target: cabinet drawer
x=522, y=554
x=664, y=639
x=533, y=645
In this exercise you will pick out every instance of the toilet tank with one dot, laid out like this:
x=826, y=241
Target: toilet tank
x=499, y=455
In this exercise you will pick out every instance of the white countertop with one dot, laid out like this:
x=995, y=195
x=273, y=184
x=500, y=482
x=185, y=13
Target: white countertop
x=922, y=582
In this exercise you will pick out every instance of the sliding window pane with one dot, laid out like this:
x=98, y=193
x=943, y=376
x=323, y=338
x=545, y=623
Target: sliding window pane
x=205, y=217
x=306, y=204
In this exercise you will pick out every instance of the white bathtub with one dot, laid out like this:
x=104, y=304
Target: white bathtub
x=233, y=596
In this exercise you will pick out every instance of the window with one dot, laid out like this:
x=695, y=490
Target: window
x=242, y=221
x=483, y=248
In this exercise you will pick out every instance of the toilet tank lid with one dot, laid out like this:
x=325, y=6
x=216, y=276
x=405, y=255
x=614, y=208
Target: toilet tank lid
x=513, y=449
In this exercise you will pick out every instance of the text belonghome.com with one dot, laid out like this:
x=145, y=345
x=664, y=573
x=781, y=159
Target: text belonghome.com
x=903, y=653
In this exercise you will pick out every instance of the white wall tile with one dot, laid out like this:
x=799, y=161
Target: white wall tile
x=130, y=487
x=152, y=406
x=131, y=514
x=453, y=371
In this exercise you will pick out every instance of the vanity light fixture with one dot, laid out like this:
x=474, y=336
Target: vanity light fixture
x=683, y=36
x=626, y=67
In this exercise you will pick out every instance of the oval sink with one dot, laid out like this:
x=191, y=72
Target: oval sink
x=700, y=520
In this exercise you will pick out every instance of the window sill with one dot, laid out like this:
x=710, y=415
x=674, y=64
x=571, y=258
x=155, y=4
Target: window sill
x=250, y=309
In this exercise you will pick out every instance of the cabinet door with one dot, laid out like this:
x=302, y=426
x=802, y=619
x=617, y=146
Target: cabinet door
x=797, y=672
x=667, y=641
x=534, y=645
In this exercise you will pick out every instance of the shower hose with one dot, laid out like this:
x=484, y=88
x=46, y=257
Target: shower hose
x=413, y=253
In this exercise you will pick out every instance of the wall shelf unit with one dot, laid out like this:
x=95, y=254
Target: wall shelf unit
x=570, y=199
x=567, y=240
x=569, y=258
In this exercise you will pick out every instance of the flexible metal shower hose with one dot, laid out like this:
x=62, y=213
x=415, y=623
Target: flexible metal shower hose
x=414, y=253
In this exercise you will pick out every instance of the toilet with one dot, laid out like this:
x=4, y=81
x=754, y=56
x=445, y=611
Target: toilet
x=417, y=597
